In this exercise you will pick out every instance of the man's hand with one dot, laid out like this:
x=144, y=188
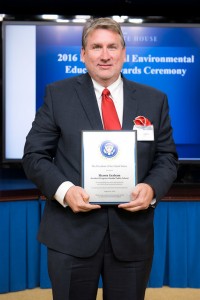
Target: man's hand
x=77, y=198
x=141, y=198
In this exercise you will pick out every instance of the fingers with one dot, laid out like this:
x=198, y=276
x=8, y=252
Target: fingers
x=78, y=200
x=141, y=198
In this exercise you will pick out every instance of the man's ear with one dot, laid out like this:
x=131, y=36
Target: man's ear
x=82, y=55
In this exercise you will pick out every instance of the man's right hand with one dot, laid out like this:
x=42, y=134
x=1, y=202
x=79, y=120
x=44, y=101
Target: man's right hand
x=78, y=200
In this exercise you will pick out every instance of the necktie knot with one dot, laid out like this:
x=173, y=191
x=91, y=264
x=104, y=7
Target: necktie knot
x=106, y=92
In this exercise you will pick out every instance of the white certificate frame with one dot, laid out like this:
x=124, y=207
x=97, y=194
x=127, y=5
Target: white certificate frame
x=109, y=165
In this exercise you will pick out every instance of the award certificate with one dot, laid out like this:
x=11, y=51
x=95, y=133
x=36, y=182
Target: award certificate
x=109, y=165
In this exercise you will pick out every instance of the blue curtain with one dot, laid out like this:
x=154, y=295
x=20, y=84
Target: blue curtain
x=19, y=249
x=23, y=261
x=176, y=260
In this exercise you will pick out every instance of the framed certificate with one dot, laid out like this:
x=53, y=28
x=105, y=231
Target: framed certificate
x=109, y=165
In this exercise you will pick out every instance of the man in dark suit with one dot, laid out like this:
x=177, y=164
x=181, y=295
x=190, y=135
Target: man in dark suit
x=86, y=240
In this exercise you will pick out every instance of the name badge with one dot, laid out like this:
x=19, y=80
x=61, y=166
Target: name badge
x=144, y=133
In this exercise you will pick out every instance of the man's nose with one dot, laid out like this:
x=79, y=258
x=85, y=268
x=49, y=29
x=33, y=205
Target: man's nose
x=105, y=53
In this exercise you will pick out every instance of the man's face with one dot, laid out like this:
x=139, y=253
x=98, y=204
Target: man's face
x=104, y=56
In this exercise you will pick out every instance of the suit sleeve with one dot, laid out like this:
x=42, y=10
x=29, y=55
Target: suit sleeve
x=165, y=163
x=40, y=149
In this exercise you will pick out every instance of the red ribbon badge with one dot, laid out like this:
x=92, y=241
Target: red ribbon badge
x=142, y=121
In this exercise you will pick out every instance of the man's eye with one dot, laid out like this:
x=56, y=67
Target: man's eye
x=113, y=47
x=96, y=47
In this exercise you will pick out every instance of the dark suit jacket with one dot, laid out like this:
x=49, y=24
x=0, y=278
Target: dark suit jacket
x=53, y=154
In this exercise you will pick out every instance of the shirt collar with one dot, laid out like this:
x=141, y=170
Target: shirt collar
x=99, y=88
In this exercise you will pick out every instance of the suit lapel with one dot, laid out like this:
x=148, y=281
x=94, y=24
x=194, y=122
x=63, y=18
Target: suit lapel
x=130, y=105
x=88, y=101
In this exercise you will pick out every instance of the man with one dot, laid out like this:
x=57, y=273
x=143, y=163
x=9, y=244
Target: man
x=87, y=240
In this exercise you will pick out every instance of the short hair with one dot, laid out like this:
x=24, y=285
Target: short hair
x=101, y=23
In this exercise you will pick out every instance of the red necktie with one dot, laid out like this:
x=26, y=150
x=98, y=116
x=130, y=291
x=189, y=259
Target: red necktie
x=109, y=113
